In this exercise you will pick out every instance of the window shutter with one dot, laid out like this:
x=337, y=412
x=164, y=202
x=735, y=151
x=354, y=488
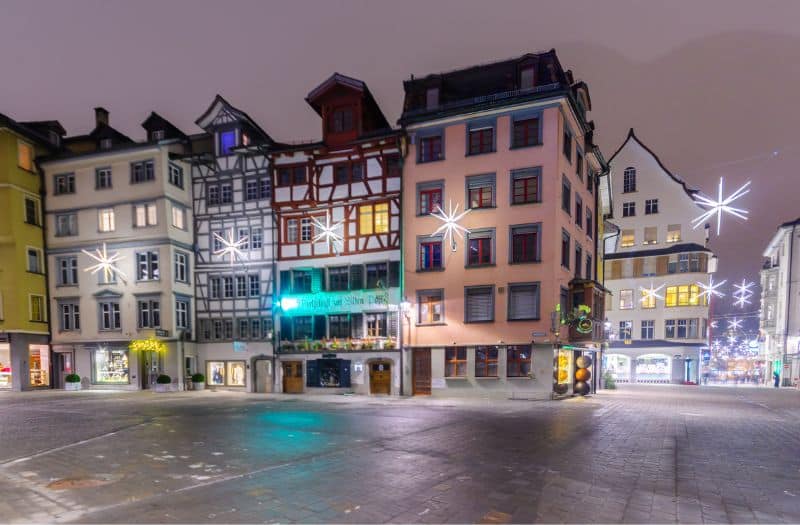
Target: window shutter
x=357, y=325
x=616, y=269
x=479, y=181
x=394, y=273
x=319, y=327
x=286, y=281
x=661, y=264
x=344, y=373
x=286, y=328
x=479, y=305
x=392, y=329
x=356, y=277
x=703, y=262
x=523, y=302
x=312, y=373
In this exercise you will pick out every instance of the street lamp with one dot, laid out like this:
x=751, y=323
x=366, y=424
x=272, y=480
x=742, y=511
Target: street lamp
x=405, y=310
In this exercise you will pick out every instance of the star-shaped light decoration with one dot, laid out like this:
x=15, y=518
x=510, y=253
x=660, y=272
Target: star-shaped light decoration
x=720, y=206
x=650, y=294
x=714, y=324
x=742, y=300
x=734, y=324
x=230, y=247
x=450, y=227
x=328, y=233
x=105, y=263
x=711, y=289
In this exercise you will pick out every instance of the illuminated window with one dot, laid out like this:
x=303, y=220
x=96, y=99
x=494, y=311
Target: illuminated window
x=648, y=301
x=179, y=217
x=625, y=299
x=430, y=304
x=373, y=218
x=24, y=156
x=37, y=308
x=671, y=297
x=144, y=215
x=105, y=220
x=650, y=235
x=227, y=141
x=627, y=239
x=674, y=233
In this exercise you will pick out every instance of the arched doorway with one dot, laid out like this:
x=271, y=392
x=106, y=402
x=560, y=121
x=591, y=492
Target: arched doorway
x=380, y=377
x=654, y=368
x=619, y=366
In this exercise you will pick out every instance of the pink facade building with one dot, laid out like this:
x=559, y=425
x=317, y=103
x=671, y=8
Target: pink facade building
x=509, y=142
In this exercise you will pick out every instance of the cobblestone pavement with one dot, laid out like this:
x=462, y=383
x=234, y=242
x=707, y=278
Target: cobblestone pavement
x=638, y=454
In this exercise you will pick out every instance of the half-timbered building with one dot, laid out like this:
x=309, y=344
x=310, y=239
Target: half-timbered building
x=234, y=250
x=337, y=203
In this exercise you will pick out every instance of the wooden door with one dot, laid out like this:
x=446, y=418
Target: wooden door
x=292, y=377
x=380, y=378
x=421, y=372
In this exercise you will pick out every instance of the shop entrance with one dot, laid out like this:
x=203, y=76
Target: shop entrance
x=5, y=365
x=654, y=368
x=421, y=372
x=380, y=378
x=263, y=383
x=292, y=377
x=150, y=368
x=63, y=367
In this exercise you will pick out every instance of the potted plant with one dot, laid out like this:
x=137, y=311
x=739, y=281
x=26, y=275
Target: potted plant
x=163, y=383
x=388, y=344
x=318, y=346
x=72, y=382
x=198, y=382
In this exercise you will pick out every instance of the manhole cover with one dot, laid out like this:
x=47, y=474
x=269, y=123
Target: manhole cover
x=80, y=483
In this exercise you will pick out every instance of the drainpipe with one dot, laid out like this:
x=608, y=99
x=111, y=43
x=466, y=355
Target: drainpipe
x=788, y=311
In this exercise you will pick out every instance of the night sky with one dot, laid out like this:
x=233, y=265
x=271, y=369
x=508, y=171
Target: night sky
x=710, y=86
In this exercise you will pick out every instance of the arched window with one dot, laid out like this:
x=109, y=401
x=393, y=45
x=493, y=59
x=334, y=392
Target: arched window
x=629, y=180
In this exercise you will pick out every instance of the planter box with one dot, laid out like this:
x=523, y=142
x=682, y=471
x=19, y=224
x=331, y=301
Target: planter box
x=72, y=386
x=162, y=388
x=198, y=386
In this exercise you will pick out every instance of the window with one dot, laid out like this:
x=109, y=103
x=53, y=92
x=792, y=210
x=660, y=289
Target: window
x=578, y=211
x=105, y=220
x=518, y=360
x=145, y=215
x=291, y=175
x=526, y=132
x=64, y=184
x=430, y=255
x=301, y=281
x=34, y=260
x=629, y=180
x=589, y=223
x=377, y=275
x=432, y=98
x=182, y=314
x=431, y=306
x=256, y=239
x=291, y=230
x=32, y=212
x=338, y=278
x=66, y=224
x=579, y=164
x=241, y=286
x=339, y=325
x=143, y=171
x=255, y=285
x=348, y=173
x=627, y=239
x=628, y=209
x=264, y=188
x=650, y=206
x=480, y=191
x=149, y=313
x=480, y=247
x=486, y=361
x=430, y=149
x=625, y=299
x=181, y=267
x=306, y=229
x=175, y=175
x=526, y=77
x=110, y=366
x=109, y=315
x=674, y=233
x=481, y=140
x=683, y=295
x=157, y=135
x=650, y=235
x=578, y=259
x=213, y=195
x=67, y=271
x=525, y=243
x=226, y=194
x=244, y=328
x=479, y=304
x=243, y=235
x=341, y=120
x=251, y=190
x=648, y=329
x=523, y=301
x=147, y=266
x=24, y=155
x=376, y=324
x=625, y=330
x=565, y=249
x=566, y=195
x=102, y=178
x=429, y=198
x=455, y=362
x=567, y=144
x=213, y=288
x=302, y=327
x=227, y=287
x=178, y=216
x=37, y=311
x=373, y=218
x=647, y=300
x=589, y=266
x=525, y=186
x=255, y=328
x=227, y=141
x=393, y=165
x=70, y=316
x=106, y=143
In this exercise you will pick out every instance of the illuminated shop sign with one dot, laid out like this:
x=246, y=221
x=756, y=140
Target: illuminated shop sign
x=353, y=301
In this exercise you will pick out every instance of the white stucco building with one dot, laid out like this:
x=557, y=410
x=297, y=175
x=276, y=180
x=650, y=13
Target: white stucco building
x=654, y=339
x=779, y=322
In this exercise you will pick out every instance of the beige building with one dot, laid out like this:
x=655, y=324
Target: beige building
x=132, y=201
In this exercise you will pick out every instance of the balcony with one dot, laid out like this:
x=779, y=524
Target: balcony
x=586, y=325
x=336, y=346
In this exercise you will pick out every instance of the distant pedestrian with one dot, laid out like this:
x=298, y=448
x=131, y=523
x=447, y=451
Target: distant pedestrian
x=776, y=378
x=705, y=378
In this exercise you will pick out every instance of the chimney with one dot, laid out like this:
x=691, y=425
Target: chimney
x=100, y=116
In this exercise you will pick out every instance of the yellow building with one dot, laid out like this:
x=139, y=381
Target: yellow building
x=24, y=334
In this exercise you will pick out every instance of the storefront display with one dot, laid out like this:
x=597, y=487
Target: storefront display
x=110, y=366
x=235, y=371
x=39, y=360
x=328, y=373
x=226, y=373
x=619, y=366
x=654, y=368
x=563, y=372
x=215, y=373
x=5, y=365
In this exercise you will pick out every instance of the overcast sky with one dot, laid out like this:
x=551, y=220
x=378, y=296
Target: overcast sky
x=709, y=85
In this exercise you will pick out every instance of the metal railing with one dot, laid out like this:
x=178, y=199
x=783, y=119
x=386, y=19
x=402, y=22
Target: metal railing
x=484, y=99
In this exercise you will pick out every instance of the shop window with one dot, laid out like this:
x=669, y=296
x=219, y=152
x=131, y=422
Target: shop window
x=455, y=362
x=39, y=365
x=328, y=373
x=518, y=360
x=5, y=365
x=235, y=373
x=526, y=186
x=215, y=373
x=431, y=306
x=110, y=366
x=486, y=361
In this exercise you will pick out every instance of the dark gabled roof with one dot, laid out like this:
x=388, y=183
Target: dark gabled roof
x=238, y=113
x=631, y=135
x=795, y=222
x=46, y=125
x=155, y=122
x=27, y=131
x=337, y=79
x=677, y=248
